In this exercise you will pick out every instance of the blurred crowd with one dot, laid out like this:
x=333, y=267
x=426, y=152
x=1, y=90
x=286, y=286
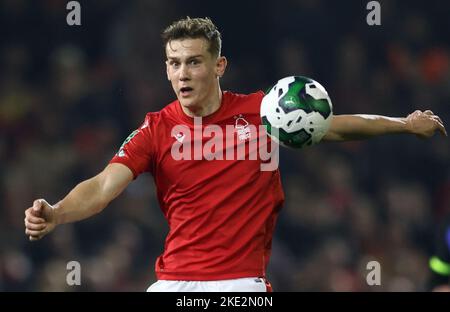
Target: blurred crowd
x=69, y=96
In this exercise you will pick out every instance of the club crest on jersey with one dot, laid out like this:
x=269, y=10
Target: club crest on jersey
x=241, y=127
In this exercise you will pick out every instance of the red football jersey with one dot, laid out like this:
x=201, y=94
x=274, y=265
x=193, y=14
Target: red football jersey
x=220, y=206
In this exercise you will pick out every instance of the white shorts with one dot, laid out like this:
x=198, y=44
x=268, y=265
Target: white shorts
x=248, y=284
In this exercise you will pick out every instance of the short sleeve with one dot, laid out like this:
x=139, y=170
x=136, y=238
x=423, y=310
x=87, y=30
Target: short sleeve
x=137, y=150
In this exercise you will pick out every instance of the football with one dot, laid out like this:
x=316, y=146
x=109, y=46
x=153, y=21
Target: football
x=296, y=111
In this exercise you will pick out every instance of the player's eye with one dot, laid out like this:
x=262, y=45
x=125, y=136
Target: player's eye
x=194, y=62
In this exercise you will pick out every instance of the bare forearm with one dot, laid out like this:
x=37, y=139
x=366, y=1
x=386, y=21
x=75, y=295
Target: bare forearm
x=356, y=127
x=91, y=196
x=81, y=203
x=86, y=199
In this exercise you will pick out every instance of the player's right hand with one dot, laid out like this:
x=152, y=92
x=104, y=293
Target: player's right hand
x=40, y=219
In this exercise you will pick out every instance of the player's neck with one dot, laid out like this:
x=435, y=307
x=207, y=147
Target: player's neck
x=211, y=105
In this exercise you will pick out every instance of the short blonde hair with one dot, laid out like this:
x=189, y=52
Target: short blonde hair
x=194, y=28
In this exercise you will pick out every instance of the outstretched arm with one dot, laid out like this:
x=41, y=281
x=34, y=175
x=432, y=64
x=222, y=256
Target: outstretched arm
x=86, y=199
x=356, y=127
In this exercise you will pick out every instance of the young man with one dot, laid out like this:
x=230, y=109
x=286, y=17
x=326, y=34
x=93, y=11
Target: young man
x=221, y=213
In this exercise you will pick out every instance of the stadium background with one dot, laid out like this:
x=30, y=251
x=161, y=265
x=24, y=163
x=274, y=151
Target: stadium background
x=69, y=96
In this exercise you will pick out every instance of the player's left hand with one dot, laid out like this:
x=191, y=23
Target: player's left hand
x=424, y=124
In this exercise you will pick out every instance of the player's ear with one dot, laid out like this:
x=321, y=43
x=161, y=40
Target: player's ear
x=221, y=65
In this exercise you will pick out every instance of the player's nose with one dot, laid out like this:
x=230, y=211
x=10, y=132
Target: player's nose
x=184, y=73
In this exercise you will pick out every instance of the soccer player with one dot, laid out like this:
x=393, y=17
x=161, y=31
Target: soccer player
x=221, y=212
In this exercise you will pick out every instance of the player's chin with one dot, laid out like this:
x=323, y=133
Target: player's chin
x=187, y=102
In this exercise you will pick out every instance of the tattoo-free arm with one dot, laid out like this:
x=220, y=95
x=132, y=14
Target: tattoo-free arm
x=357, y=127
